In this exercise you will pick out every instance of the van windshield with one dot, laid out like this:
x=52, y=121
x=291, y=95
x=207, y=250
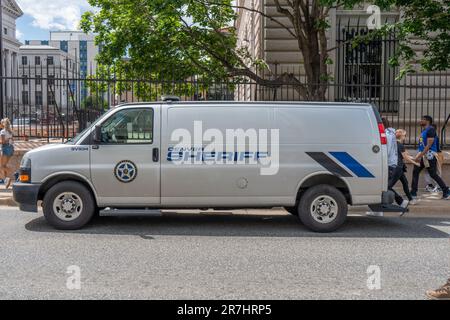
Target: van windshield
x=78, y=137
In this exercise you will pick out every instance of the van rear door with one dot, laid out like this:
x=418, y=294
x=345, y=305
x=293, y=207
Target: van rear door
x=383, y=156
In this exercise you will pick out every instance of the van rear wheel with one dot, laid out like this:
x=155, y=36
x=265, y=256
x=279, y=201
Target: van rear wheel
x=323, y=208
x=68, y=205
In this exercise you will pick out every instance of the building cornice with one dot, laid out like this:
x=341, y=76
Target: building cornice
x=11, y=7
x=14, y=42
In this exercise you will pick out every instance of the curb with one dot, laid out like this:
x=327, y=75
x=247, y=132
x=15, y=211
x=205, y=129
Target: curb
x=8, y=202
x=431, y=210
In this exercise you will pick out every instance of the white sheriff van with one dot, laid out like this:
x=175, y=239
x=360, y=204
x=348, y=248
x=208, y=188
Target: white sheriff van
x=314, y=159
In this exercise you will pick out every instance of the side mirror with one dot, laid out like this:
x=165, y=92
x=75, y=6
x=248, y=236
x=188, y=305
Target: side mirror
x=97, y=135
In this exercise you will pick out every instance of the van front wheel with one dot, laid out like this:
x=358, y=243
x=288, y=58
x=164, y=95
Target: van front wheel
x=68, y=205
x=323, y=208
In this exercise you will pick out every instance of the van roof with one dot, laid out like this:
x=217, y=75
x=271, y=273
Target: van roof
x=284, y=103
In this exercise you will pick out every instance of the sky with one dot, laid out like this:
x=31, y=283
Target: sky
x=41, y=16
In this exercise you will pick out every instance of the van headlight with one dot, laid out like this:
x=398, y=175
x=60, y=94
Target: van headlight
x=25, y=170
x=25, y=163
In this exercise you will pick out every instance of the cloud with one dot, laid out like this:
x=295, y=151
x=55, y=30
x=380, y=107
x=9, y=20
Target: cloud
x=19, y=34
x=54, y=14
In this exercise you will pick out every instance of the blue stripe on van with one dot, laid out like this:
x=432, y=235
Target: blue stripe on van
x=351, y=163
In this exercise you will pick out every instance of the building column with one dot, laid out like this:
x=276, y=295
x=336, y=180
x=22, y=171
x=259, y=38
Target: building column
x=5, y=83
x=14, y=73
x=3, y=80
x=8, y=74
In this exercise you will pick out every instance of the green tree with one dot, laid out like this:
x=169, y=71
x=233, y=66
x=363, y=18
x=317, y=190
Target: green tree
x=94, y=102
x=178, y=39
x=424, y=23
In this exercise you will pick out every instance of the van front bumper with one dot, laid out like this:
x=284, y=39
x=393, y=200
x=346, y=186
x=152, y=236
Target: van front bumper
x=26, y=195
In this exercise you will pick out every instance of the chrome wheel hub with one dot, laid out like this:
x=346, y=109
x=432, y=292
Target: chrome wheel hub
x=324, y=209
x=67, y=206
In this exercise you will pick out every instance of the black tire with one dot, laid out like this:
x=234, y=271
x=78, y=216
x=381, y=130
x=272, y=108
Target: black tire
x=292, y=210
x=334, y=197
x=76, y=193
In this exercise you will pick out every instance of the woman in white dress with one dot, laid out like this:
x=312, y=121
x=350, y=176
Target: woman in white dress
x=6, y=140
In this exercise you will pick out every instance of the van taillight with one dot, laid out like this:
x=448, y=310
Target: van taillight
x=382, y=131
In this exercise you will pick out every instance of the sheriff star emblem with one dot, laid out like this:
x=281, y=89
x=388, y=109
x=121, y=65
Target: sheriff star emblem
x=125, y=171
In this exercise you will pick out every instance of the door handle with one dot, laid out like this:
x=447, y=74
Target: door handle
x=155, y=155
x=95, y=147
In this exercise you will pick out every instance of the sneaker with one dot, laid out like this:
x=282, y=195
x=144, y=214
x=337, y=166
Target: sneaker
x=446, y=196
x=436, y=189
x=443, y=293
x=405, y=204
x=430, y=188
x=405, y=209
x=413, y=202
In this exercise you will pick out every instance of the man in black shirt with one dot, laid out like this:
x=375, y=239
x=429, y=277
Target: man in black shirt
x=428, y=147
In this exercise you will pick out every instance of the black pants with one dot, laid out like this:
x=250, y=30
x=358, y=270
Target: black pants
x=432, y=170
x=395, y=174
x=405, y=185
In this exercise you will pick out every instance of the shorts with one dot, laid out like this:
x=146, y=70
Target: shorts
x=7, y=150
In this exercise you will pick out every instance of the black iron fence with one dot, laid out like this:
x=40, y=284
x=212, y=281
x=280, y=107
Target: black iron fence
x=57, y=104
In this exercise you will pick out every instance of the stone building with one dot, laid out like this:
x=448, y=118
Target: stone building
x=47, y=79
x=10, y=54
x=77, y=44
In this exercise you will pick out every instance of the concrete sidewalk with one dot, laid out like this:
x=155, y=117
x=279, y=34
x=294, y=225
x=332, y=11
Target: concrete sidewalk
x=6, y=198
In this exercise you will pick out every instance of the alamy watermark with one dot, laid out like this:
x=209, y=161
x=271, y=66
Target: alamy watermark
x=260, y=147
x=73, y=282
x=374, y=277
x=374, y=21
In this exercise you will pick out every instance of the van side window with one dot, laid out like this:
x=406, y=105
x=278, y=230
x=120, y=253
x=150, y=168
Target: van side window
x=131, y=126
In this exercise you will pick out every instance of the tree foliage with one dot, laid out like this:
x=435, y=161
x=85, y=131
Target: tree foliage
x=178, y=39
x=423, y=23
x=171, y=39
x=94, y=102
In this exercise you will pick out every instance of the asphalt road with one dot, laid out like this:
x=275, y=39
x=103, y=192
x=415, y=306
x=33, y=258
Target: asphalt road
x=222, y=256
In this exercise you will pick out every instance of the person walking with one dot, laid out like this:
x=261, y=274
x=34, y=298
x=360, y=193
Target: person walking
x=403, y=156
x=395, y=171
x=431, y=187
x=428, y=148
x=6, y=139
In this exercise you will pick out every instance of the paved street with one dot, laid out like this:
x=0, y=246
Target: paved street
x=263, y=255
